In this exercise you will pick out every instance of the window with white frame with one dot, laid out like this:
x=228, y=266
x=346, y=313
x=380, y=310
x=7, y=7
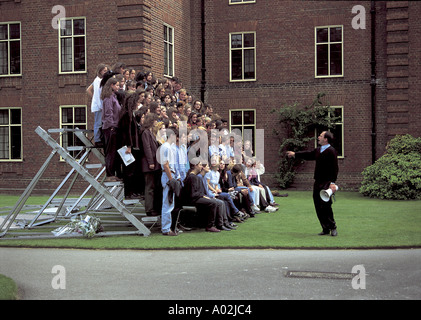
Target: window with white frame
x=329, y=51
x=72, y=117
x=243, y=56
x=72, y=45
x=241, y=1
x=10, y=134
x=10, y=49
x=168, y=51
x=338, y=131
x=245, y=121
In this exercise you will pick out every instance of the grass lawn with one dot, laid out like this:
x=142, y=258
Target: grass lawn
x=8, y=288
x=362, y=223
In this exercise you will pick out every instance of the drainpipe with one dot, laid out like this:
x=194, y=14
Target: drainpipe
x=373, y=81
x=203, y=24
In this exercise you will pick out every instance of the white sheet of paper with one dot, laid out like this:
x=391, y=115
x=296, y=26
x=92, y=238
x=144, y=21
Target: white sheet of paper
x=126, y=157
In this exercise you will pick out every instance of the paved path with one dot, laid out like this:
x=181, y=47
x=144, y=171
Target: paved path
x=211, y=274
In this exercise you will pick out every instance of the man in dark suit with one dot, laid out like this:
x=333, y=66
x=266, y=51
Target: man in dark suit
x=325, y=175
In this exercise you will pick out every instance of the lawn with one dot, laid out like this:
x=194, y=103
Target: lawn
x=362, y=223
x=8, y=288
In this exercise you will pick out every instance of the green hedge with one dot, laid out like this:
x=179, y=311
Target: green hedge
x=397, y=174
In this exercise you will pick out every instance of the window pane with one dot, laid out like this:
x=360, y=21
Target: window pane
x=67, y=138
x=14, y=31
x=322, y=35
x=249, y=40
x=67, y=116
x=335, y=59
x=165, y=33
x=67, y=30
x=66, y=54
x=4, y=142
x=3, y=58
x=249, y=64
x=337, y=113
x=4, y=116
x=170, y=61
x=3, y=32
x=249, y=117
x=236, y=65
x=335, y=34
x=14, y=57
x=79, y=54
x=166, y=59
x=236, y=41
x=16, y=142
x=78, y=27
x=80, y=116
x=236, y=118
x=15, y=116
x=249, y=134
x=337, y=143
x=322, y=58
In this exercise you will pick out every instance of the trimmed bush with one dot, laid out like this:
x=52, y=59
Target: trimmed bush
x=397, y=174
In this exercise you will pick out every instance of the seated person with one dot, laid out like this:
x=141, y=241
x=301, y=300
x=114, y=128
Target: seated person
x=252, y=176
x=241, y=184
x=213, y=178
x=194, y=194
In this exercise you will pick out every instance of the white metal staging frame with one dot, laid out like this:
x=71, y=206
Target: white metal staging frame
x=107, y=198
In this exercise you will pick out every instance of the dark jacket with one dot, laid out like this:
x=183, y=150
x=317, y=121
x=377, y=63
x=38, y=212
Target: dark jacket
x=193, y=189
x=227, y=184
x=110, y=112
x=175, y=188
x=326, y=170
x=128, y=131
x=150, y=146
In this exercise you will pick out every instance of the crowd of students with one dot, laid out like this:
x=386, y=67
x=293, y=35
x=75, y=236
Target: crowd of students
x=184, y=153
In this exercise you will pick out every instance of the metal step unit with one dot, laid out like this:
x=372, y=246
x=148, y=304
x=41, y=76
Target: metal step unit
x=107, y=199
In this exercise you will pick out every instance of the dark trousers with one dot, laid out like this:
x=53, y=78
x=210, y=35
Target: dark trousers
x=244, y=201
x=323, y=209
x=153, y=192
x=209, y=207
x=112, y=159
x=133, y=179
x=139, y=179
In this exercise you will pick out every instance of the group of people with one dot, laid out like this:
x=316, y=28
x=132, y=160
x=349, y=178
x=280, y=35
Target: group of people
x=184, y=153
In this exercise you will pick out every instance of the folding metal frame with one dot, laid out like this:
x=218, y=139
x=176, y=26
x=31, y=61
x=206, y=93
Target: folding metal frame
x=109, y=193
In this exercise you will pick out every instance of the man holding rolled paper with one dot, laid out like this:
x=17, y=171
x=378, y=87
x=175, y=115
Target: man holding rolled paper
x=325, y=174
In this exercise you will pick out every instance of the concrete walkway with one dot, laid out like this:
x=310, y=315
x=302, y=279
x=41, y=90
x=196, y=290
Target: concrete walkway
x=213, y=274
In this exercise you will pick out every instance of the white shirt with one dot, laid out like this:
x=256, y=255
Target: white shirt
x=96, y=104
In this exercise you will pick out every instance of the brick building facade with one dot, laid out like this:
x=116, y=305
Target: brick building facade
x=244, y=57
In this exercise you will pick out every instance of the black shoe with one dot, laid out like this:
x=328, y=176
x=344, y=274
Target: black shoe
x=238, y=219
x=333, y=232
x=323, y=233
x=224, y=228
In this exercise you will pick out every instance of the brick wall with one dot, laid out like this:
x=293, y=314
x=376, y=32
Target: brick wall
x=285, y=71
x=131, y=31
